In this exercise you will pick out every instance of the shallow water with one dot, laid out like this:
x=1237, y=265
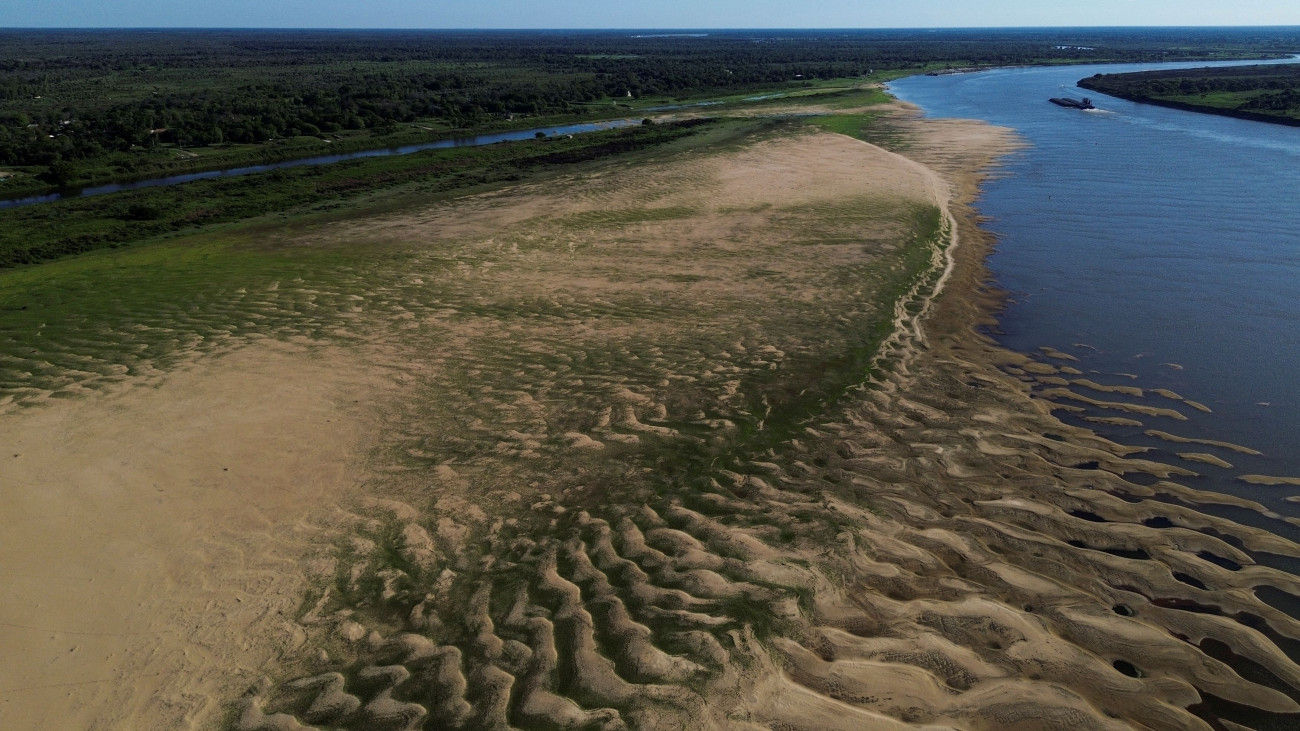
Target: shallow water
x=1154, y=242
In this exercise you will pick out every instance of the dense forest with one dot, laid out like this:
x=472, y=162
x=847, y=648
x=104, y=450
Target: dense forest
x=1266, y=93
x=70, y=100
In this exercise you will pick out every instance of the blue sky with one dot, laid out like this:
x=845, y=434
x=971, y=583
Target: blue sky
x=640, y=14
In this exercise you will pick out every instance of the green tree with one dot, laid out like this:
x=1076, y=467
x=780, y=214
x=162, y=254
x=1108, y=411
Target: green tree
x=60, y=173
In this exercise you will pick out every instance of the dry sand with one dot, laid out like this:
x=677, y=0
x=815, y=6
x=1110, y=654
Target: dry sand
x=152, y=536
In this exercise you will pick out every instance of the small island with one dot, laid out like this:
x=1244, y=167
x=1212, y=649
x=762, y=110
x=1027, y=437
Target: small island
x=1264, y=93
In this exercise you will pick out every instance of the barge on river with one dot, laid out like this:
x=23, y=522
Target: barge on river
x=1084, y=103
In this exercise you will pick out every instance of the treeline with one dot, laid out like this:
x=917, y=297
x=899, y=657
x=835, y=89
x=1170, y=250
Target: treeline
x=68, y=96
x=1272, y=90
x=124, y=50
x=260, y=112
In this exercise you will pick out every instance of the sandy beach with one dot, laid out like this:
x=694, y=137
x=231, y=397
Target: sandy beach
x=157, y=537
x=592, y=466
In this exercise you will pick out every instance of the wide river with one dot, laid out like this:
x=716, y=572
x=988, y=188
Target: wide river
x=1152, y=242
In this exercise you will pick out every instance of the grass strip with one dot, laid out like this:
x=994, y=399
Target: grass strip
x=50, y=231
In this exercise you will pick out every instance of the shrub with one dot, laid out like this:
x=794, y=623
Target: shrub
x=142, y=212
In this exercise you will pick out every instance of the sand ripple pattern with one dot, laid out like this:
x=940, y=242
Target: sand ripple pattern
x=629, y=487
x=887, y=583
x=935, y=551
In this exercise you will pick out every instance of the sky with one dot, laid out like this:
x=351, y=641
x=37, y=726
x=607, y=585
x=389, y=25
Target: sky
x=640, y=13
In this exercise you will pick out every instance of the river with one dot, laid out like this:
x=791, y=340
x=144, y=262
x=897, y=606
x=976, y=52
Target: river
x=474, y=141
x=1152, y=242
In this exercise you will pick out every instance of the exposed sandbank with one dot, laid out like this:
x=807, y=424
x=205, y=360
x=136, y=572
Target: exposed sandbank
x=1269, y=480
x=155, y=535
x=938, y=550
x=933, y=548
x=1208, y=442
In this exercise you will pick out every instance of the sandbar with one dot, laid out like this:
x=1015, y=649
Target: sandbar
x=610, y=495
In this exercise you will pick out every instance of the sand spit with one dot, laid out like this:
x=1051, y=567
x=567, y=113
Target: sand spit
x=153, y=536
x=1208, y=442
x=1205, y=459
x=1269, y=480
x=1049, y=352
x=935, y=551
x=1112, y=420
x=1065, y=393
x=1126, y=390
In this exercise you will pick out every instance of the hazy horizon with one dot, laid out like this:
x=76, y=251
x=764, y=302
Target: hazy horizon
x=643, y=29
x=664, y=15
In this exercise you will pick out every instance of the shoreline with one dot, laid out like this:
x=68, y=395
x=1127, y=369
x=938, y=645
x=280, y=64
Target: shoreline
x=1197, y=108
x=1055, y=308
x=974, y=306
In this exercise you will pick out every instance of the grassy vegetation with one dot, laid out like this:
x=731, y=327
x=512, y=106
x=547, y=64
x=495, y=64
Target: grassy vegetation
x=853, y=125
x=44, y=232
x=1262, y=93
x=809, y=388
x=867, y=126
x=96, y=319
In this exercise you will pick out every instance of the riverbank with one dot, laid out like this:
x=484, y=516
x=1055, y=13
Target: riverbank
x=571, y=344
x=1060, y=528
x=1199, y=108
x=1256, y=93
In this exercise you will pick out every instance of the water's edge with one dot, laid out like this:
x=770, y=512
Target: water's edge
x=1149, y=249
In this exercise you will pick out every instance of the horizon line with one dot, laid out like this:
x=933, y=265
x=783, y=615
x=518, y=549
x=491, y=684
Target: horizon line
x=643, y=29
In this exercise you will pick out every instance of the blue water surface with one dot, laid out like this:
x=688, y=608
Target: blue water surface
x=1154, y=242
